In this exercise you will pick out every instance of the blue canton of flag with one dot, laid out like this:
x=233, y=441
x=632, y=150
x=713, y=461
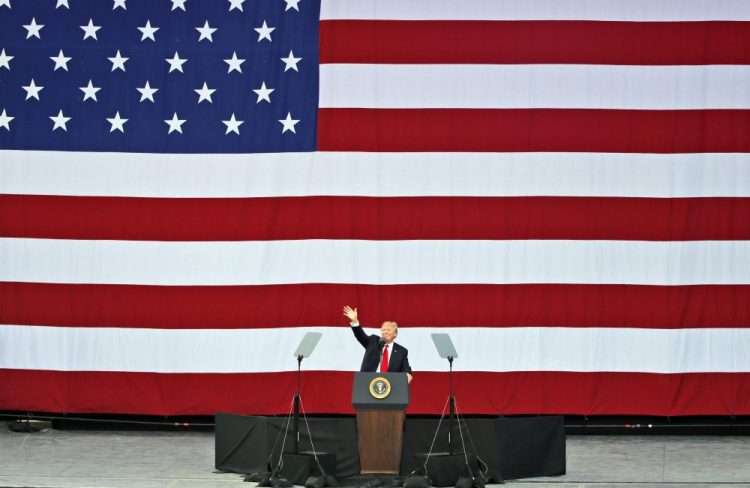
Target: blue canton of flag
x=172, y=76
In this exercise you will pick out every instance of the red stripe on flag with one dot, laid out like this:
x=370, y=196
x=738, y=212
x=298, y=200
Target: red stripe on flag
x=394, y=218
x=534, y=42
x=228, y=307
x=330, y=392
x=527, y=130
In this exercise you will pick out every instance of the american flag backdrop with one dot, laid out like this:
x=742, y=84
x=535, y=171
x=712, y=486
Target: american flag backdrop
x=188, y=186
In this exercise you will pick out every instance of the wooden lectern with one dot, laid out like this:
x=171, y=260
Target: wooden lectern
x=380, y=400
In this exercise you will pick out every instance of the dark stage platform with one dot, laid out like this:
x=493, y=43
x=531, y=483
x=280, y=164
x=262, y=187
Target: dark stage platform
x=517, y=447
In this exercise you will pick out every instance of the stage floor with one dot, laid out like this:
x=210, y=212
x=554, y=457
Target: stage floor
x=81, y=458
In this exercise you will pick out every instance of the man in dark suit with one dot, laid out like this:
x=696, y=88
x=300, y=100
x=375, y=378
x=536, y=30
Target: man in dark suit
x=381, y=352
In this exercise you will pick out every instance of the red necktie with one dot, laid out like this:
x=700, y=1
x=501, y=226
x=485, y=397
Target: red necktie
x=384, y=362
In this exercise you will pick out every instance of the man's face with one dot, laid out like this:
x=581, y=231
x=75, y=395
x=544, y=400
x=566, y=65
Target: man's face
x=388, y=332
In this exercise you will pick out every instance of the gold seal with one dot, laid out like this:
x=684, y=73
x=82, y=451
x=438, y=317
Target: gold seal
x=380, y=387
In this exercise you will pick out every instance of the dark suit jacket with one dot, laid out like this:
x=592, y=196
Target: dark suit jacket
x=397, y=363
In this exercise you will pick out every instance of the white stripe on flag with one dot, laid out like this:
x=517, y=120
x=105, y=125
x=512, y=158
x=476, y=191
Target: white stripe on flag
x=374, y=262
x=534, y=86
x=374, y=174
x=270, y=350
x=611, y=10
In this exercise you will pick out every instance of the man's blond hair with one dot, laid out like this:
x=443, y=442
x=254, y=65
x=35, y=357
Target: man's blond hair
x=389, y=323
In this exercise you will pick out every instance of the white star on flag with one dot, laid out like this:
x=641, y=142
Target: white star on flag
x=61, y=61
x=60, y=121
x=90, y=30
x=147, y=93
x=175, y=124
x=233, y=125
x=288, y=123
x=178, y=4
x=5, y=3
x=235, y=63
x=5, y=120
x=264, y=93
x=206, y=32
x=290, y=62
x=236, y=4
x=118, y=62
x=176, y=63
x=62, y=3
x=264, y=32
x=32, y=90
x=32, y=29
x=205, y=93
x=5, y=60
x=292, y=4
x=148, y=32
x=119, y=3
x=89, y=91
x=117, y=123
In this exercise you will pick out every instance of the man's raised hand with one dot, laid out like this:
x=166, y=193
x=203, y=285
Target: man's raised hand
x=350, y=313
